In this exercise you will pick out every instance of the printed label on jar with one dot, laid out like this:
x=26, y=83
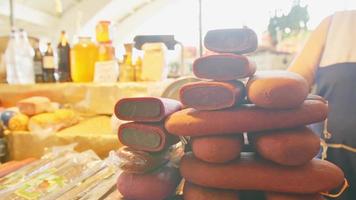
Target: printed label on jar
x=48, y=62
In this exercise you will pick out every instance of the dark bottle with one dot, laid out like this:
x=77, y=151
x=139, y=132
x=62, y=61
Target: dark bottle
x=63, y=48
x=48, y=65
x=37, y=62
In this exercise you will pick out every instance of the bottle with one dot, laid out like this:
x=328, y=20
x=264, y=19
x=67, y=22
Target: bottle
x=63, y=50
x=37, y=61
x=106, y=51
x=102, y=31
x=48, y=65
x=25, y=52
x=138, y=69
x=10, y=59
x=83, y=55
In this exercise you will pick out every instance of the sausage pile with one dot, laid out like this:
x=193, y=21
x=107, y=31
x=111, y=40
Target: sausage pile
x=148, y=157
x=249, y=141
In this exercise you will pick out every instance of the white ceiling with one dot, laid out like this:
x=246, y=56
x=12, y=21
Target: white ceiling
x=46, y=18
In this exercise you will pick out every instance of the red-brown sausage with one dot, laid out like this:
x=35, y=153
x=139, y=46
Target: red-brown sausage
x=288, y=147
x=196, y=192
x=238, y=40
x=277, y=89
x=281, y=196
x=249, y=173
x=217, y=149
x=154, y=186
x=145, y=137
x=250, y=118
x=145, y=109
x=223, y=67
x=212, y=95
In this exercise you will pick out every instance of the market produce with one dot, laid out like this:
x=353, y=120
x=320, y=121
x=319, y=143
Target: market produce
x=277, y=89
x=223, y=67
x=217, y=149
x=250, y=173
x=212, y=95
x=6, y=116
x=145, y=109
x=288, y=147
x=238, y=40
x=251, y=118
x=196, y=192
x=34, y=105
x=18, y=122
x=46, y=123
x=146, y=137
x=157, y=185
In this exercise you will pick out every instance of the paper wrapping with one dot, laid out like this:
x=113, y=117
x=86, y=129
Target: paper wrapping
x=87, y=98
x=94, y=133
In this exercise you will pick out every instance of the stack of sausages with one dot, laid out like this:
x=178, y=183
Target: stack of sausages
x=273, y=119
x=148, y=173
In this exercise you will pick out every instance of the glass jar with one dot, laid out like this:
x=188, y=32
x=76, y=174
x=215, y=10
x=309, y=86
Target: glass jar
x=106, y=51
x=102, y=30
x=84, y=54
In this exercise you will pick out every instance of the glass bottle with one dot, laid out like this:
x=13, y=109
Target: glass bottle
x=63, y=48
x=37, y=61
x=10, y=59
x=106, y=51
x=25, y=53
x=48, y=65
x=83, y=57
x=138, y=69
x=102, y=30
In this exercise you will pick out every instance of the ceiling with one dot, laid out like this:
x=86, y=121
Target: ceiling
x=46, y=18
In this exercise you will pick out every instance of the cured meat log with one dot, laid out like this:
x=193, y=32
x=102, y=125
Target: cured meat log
x=145, y=109
x=246, y=118
x=249, y=173
x=145, y=137
x=288, y=147
x=281, y=196
x=196, y=192
x=239, y=40
x=217, y=149
x=157, y=185
x=212, y=95
x=223, y=67
x=277, y=89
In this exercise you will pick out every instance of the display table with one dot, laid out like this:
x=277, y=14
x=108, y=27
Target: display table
x=88, y=98
x=94, y=133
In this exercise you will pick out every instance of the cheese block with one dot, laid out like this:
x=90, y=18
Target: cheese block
x=238, y=40
x=217, y=149
x=223, y=67
x=146, y=137
x=246, y=118
x=250, y=173
x=288, y=147
x=145, y=109
x=196, y=192
x=157, y=185
x=212, y=95
x=34, y=105
x=277, y=89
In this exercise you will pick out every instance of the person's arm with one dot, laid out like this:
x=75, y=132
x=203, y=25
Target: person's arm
x=307, y=61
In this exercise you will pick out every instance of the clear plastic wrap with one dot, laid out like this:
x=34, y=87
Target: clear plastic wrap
x=97, y=185
x=55, y=179
x=140, y=162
